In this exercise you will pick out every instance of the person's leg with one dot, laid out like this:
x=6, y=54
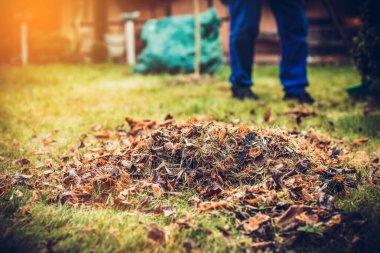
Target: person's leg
x=293, y=29
x=244, y=28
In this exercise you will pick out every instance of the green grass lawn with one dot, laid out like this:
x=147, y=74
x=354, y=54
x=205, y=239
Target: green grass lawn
x=63, y=102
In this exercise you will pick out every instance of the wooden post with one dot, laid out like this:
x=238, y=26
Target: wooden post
x=24, y=43
x=23, y=17
x=197, y=31
x=129, y=29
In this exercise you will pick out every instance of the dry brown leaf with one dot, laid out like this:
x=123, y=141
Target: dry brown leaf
x=252, y=201
x=25, y=209
x=319, y=170
x=205, y=206
x=253, y=223
x=289, y=217
x=335, y=220
x=267, y=114
x=260, y=244
x=222, y=134
x=156, y=234
x=167, y=211
x=47, y=141
x=243, y=130
x=22, y=161
x=103, y=134
x=254, y=153
x=102, y=161
x=308, y=219
x=360, y=141
x=189, y=245
x=72, y=149
x=157, y=190
x=306, y=195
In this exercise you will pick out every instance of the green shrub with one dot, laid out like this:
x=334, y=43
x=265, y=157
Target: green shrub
x=367, y=46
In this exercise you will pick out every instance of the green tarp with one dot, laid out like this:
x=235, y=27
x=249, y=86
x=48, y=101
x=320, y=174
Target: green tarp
x=170, y=45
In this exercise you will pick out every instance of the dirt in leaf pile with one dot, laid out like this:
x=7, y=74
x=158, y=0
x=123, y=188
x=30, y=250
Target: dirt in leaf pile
x=277, y=184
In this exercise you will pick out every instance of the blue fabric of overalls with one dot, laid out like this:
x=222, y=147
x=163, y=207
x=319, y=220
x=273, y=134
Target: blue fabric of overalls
x=292, y=27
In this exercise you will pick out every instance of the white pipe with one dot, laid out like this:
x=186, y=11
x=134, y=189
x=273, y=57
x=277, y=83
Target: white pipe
x=24, y=44
x=129, y=29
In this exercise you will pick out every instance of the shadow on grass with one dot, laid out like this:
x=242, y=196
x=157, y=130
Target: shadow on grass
x=14, y=233
x=360, y=125
x=359, y=232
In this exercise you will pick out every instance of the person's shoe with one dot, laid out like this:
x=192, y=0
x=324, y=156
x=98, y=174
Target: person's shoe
x=303, y=98
x=243, y=92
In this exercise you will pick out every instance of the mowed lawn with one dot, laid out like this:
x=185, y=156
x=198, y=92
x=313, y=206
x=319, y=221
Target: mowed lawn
x=63, y=102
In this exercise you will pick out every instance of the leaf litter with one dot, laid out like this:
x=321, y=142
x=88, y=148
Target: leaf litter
x=277, y=184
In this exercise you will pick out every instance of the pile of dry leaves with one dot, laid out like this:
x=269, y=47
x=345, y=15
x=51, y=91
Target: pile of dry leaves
x=276, y=183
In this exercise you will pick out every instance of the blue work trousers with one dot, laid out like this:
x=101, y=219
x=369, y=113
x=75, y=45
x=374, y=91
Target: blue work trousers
x=292, y=27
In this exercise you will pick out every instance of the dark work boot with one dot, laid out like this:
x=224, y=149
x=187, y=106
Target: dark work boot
x=303, y=98
x=243, y=92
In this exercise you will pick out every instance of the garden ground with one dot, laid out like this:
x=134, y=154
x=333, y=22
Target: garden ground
x=45, y=109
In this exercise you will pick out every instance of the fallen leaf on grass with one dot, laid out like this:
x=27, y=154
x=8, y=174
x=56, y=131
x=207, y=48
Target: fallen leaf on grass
x=260, y=244
x=267, y=114
x=254, y=153
x=300, y=112
x=335, y=220
x=359, y=142
x=222, y=134
x=47, y=141
x=308, y=219
x=170, y=211
x=253, y=223
x=167, y=211
x=289, y=218
x=157, y=190
x=22, y=161
x=72, y=149
x=19, y=193
x=252, y=201
x=243, y=130
x=25, y=209
x=205, y=206
x=189, y=245
x=156, y=234
x=103, y=134
x=306, y=195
